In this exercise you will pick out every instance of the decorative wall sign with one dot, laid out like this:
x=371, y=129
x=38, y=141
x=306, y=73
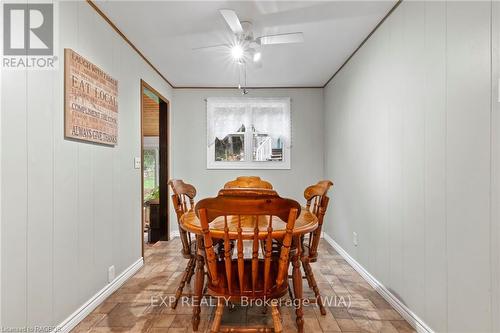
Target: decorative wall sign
x=90, y=101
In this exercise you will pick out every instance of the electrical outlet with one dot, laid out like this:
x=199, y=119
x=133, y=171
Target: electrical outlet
x=111, y=273
x=137, y=162
x=355, y=238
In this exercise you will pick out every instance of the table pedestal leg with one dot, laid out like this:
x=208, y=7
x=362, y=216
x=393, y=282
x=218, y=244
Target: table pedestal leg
x=198, y=288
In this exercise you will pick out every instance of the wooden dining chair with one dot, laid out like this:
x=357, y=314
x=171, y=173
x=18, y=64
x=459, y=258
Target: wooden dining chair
x=250, y=217
x=183, y=201
x=248, y=182
x=317, y=204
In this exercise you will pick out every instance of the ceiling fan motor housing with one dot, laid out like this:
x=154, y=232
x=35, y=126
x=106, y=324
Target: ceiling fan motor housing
x=247, y=30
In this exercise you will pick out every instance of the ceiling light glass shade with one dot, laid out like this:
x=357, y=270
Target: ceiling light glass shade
x=257, y=56
x=237, y=52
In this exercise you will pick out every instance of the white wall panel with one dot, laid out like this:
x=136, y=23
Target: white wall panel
x=102, y=169
x=66, y=190
x=468, y=163
x=380, y=127
x=396, y=75
x=14, y=159
x=14, y=197
x=413, y=155
x=422, y=114
x=69, y=209
x=435, y=165
x=40, y=216
x=495, y=168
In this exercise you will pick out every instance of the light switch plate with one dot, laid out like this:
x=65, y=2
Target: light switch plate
x=137, y=162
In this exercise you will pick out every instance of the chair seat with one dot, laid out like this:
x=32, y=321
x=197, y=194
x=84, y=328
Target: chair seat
x=221, y=289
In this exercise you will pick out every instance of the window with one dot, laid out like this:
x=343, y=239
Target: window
x=248, y=133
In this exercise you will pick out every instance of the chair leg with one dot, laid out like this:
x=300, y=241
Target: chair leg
x=309, y=283
x=313, y=285
x=297, y=290
x=185, y=277
x=278, y=326
x=290, y=292
x=198, y=288
x=217, y=316
x=191, y=272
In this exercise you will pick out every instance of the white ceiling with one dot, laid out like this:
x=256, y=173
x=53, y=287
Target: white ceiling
x=166, y=32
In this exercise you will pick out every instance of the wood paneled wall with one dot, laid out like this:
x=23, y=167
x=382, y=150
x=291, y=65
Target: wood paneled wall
x=150, y=117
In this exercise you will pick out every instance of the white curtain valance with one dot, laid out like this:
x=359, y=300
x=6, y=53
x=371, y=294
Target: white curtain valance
x=273, y=120
x=267, y=116
x=226, y=120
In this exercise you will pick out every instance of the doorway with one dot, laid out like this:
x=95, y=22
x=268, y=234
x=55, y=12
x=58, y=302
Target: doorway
x=154, y=166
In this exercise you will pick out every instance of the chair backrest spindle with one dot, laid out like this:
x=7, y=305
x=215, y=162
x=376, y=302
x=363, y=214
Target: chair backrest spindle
x=268, y=252
x=255, y=254
x=227, y=255
x=241, y=263
x=209, y=249
x=285, y=250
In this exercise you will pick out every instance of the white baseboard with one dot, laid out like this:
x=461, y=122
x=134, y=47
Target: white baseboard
x=69, y=323
x=174, y=234
x=403, y=310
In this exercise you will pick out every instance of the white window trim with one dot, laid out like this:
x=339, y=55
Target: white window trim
x=285, y=164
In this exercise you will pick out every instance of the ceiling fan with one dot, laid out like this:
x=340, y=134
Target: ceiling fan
x=246, y=45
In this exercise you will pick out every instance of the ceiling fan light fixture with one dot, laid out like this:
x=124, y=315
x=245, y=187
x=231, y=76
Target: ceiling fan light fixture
x=237, y=52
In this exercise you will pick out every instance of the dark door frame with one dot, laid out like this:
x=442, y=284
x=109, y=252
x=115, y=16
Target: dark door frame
x=164, y=124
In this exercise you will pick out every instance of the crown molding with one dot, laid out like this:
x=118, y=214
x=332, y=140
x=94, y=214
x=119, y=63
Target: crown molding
x=253, y=88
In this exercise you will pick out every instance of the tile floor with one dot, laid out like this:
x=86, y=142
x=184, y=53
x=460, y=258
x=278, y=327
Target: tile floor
x=138, y=306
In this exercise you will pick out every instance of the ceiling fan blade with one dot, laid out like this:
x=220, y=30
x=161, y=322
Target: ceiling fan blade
x=232, y=20
x=209, y=47
x=294, y=37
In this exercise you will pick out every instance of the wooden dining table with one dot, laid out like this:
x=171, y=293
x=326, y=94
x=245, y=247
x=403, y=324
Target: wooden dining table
x=305, y=223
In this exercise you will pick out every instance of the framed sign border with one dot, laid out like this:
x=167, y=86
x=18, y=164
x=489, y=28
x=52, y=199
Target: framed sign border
x=65, y=100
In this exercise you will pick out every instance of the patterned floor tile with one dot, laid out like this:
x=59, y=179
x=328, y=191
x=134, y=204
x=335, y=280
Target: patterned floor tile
x=141, y=304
